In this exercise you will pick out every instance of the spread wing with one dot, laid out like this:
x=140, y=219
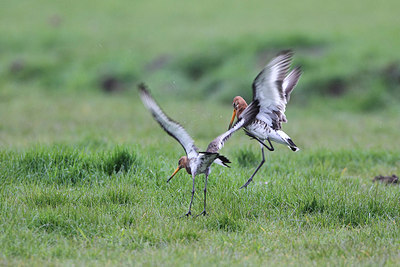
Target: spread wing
x=272, y=88
x=246, y=117
x=290, y=82
x=171, y=127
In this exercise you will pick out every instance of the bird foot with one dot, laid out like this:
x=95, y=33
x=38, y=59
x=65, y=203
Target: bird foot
x=246, y=184
x=204, y=213
x=187, y=214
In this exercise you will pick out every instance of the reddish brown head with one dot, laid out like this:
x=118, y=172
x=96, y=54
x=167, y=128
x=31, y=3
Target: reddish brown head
x=239, y=105
x=182, y=163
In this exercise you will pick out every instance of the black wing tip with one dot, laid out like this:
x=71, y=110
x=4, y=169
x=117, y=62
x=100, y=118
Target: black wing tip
x=298, y=70
x=208, y=153
x=143, y=87
x=155, y=111
x=146, y=96
x=293, y=79
x=292, y=145
x=224, y=159
x=288, y=52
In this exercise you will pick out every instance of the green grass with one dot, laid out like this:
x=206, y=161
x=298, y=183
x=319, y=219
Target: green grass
x=316, y=207
x=83, y=172
x=93, y=189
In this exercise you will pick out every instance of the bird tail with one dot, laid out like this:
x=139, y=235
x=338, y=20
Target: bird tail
x=220, y=160
x=223, y=161
x=282, y=138
x=292, y=145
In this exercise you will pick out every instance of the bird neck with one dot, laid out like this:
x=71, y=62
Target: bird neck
x=188, y=170
x=186, y=164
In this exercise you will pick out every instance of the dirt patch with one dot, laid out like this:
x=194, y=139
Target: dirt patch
x=336, y=87
x=158, y=63
x=387, y=179
x=300, y=44
x=195, y=67
x=109, y=84
x=391, y=73
x=55, y=20
x=17, y=66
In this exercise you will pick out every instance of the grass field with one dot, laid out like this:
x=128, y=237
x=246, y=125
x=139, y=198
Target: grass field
x=83, y=167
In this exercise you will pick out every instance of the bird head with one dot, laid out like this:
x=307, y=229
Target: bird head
x=182, y=163
x=239, y=104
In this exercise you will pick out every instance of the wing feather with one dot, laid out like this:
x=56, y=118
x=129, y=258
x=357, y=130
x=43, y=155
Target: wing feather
x=290, y=82
x=170, y=126
x=272, y=87
x=246, y=118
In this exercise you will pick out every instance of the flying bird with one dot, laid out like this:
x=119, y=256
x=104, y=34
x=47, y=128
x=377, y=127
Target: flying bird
x=271, y=88
x=196, y=162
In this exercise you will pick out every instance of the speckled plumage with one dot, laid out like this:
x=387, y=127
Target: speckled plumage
x=195, y=162
x=272, y=88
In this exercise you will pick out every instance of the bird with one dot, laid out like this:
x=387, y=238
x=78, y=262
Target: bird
x=195, y=162
x=271, y=88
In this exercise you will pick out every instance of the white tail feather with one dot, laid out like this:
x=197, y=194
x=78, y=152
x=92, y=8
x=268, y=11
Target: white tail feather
x=282, y=138
x=219, y=162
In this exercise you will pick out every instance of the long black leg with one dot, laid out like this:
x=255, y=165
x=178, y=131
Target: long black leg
x=191, y=201
x=259, y=166
x=205, y=196
x=261, y=142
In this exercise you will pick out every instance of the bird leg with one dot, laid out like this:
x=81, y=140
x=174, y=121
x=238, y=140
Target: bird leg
x=259, y=166
x=261, y=142
x=205, y=197
x=191, y=201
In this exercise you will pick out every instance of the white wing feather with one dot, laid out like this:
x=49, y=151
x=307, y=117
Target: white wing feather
x=290, y=82
x=268, y=90
x=171, y=127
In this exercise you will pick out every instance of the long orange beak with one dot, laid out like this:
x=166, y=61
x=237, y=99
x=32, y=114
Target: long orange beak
x=177, y=170
x=233, y=118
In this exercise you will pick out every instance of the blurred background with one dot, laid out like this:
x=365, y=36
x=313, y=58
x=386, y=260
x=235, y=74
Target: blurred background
x=69, y=69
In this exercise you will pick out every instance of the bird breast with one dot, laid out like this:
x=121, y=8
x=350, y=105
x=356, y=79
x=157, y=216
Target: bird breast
x=259, y=129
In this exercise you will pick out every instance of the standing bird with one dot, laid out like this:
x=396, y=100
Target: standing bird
x=271, y=88
x=196, y=162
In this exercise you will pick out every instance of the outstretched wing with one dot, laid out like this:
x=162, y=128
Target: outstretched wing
x=246, y=117
x=290, y=82
x=171, y=127
x=272, y=89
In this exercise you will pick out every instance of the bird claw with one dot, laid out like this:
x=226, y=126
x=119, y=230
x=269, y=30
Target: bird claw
x=246, y=184
x=187, y=214
x=204, y=213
